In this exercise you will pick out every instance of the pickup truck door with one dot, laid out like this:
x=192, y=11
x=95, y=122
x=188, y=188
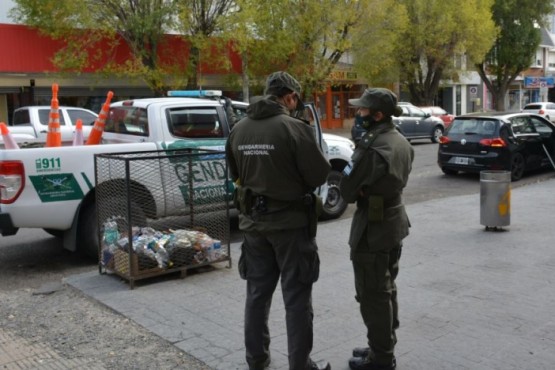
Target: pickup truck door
x=173, y=126
x=311, y=116
x=200, y=177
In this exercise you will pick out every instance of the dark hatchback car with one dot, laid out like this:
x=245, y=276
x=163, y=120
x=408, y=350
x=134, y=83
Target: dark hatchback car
x=515, y=142
x=414, y=123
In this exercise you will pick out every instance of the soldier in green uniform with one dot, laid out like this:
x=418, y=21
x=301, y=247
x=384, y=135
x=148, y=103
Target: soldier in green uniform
x=276, y=164
x=375, y=179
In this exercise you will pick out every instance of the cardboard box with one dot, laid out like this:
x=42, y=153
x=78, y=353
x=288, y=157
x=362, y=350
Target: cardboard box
x=140, y=265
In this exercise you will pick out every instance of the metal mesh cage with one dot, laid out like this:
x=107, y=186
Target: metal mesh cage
x=161, y=211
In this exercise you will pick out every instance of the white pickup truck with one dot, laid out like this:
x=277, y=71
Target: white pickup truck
x=30, y=124
x=54, y=188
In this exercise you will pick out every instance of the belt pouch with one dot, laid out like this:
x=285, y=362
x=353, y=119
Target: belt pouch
x=242, y=199
x=375, y=208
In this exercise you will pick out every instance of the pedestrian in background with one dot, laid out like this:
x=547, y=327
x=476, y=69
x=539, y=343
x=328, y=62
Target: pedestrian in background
x=375, y=179
x=276, y=164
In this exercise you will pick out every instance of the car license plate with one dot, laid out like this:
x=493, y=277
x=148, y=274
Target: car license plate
x=461, y=160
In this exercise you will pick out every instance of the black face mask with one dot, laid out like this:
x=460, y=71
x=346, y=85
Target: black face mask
x=365, y=122
x=298, y=112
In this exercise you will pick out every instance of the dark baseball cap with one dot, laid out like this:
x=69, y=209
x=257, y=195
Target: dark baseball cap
x=378, y=99
x=278, y=81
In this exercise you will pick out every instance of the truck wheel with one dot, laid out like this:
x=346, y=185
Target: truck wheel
x=334, y=205
x=55, y=232
x=87, y=232
x=87, y=237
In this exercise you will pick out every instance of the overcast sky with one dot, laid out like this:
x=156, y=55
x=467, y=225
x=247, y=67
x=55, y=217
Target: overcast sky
x=5, y=6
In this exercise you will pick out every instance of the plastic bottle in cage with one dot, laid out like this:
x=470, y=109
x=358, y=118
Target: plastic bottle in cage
x=216, y=250
x=206, y=248
x=111, y=233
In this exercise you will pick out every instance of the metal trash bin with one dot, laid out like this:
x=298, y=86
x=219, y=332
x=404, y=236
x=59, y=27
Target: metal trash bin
x=495, y=199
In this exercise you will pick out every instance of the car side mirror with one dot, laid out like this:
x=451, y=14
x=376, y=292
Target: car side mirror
x=427, y=115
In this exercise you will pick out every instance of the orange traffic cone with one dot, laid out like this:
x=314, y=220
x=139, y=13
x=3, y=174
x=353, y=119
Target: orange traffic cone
x=78, y=135
x=98, y=128
x=54, y=135
x=9, y=142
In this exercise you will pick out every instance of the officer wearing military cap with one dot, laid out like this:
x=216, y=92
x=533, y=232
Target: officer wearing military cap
x=276, y=164
x=380, y=168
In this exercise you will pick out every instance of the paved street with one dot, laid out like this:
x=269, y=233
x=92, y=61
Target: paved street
x=469, y=298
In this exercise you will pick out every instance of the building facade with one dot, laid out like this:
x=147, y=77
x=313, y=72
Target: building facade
x=27, y=75
x=534, y=84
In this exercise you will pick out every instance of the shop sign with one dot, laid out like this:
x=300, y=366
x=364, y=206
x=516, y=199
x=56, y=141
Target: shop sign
x=538, y=82
x=342, y=75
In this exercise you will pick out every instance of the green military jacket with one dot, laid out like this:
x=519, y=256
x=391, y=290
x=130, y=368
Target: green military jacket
x=381, y=164
x=275, y=155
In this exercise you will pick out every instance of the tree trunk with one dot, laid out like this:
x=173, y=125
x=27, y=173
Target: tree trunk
x=194, y=73
x=499, y=98
x=498, y=87
x=423, y=91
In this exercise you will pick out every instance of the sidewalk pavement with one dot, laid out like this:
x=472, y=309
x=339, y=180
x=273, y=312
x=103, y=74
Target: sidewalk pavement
x=469, y=298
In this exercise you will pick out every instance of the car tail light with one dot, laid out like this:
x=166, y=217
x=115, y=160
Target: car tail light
x=12, y=181
x=494, y=143
x=541, y=111
x=444, y=140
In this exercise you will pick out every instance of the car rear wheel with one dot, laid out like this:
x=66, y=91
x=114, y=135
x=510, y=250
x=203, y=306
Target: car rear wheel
x=518, y=166
x=438, y=133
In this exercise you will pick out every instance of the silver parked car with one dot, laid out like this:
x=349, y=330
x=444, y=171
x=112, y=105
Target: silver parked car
x=544, y=109
x=414, y=123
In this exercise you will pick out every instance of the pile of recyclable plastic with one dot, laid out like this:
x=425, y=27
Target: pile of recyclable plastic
x=168, y=249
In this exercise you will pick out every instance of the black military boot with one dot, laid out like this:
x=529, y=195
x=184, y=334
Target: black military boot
x=261, y=366
x=323, y=365
x=366, y=363
x=361, y=351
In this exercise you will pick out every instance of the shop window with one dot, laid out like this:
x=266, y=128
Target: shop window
x=336, y=106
